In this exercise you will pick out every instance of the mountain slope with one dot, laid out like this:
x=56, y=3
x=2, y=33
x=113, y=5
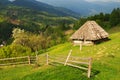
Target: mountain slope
x=35, y=21
x=83, y=6
x=105, y=64
x=33, y=4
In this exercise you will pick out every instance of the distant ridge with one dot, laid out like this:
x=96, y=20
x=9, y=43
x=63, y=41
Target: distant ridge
x=36, y=5
x=84, y=7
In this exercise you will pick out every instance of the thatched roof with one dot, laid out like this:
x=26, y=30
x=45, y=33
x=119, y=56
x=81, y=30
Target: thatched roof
x=90, y=31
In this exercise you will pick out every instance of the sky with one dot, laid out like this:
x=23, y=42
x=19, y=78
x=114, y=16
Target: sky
x=103, y=0
x=85, y=0
x=79, y=0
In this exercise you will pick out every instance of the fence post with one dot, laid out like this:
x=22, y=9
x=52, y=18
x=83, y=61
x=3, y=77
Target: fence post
x=67, y=57
x=47, y=61
x=89, y=67
x=28, y=59
x=80, y=46
x=36, y=57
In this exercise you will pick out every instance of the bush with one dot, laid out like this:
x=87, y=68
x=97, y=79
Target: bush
x=14, y=51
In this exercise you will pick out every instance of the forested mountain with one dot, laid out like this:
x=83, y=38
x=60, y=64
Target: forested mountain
x=20, y=14
x=33, y=4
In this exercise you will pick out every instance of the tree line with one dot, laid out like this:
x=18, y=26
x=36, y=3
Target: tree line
x=106, y=20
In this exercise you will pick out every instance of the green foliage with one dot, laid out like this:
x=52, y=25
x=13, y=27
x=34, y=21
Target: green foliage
x=23, y=38
x=30, y=20
x=5, y=52
x=14, y=51
x=115, y=17
x=5, y=31
x=106, y=21
x=18, y=50
x=54, y=35
x=79, y=23
x=50, y=37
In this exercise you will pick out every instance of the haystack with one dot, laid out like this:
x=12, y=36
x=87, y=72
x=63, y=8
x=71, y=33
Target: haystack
x=89, y=33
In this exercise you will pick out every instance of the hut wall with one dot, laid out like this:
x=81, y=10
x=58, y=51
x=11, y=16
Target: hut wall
x=78, y=42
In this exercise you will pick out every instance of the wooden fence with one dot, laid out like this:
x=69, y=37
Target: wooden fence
x=76, y=62
x=17, y=60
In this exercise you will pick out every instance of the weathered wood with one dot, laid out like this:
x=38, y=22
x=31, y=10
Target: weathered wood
x=68, y=57
x=28, y=59
x=77, y=66
x=80, y=58
x=14, y=63
x=13, y=58
x=36, y=57
x=47, y=59
x=89, y=67
x=69, y=62
x=79, y=62
x=17, y=60
x=80, y=46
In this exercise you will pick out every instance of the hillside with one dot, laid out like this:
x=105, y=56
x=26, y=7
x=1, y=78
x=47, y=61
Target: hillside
x=32, y=33
x=28, y=19
x=105, y=64
x=33, y=4
x=86, y=7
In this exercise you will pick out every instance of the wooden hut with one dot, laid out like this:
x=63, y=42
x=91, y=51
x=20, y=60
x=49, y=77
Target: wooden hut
x=89, y=33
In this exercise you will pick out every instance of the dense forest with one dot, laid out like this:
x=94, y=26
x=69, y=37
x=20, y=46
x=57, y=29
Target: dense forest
x=105, y=20
x=23, y=31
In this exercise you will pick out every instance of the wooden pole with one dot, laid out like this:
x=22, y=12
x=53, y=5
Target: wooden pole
x=80, y=46
x=47, y=61
x=89, y=67
x=68, y=57
x=28, y=59
x=36, y=57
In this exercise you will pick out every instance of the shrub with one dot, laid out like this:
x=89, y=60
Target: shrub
x=14, y=50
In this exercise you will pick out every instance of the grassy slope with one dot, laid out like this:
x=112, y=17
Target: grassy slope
x=106, y=64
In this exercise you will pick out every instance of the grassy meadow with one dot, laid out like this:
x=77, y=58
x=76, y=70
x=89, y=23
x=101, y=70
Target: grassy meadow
x=105, y=65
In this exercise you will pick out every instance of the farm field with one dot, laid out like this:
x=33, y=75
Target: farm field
x=105, y=66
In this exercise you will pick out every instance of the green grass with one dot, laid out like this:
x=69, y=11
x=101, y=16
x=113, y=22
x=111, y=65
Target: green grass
x=13, y=73
x=57, y=73
x=106, y=63
x=19, y=71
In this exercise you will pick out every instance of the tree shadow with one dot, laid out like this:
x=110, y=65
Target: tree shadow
x=94, y=72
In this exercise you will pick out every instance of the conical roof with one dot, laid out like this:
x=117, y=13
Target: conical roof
x=90, y=31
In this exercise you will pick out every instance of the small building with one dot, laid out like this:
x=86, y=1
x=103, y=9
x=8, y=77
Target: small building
x=89, y=33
